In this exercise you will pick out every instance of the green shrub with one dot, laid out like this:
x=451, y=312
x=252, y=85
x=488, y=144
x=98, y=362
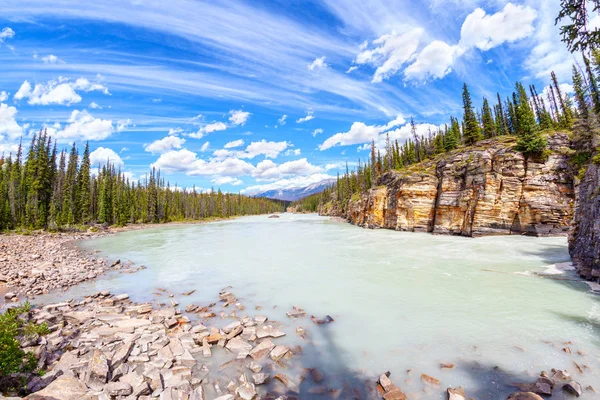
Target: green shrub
x=12, y=358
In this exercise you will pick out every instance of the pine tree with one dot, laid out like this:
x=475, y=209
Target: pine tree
x=83, y=185
x=530, y=141
x=472, y=131
x=586, y=124
x=489, y=125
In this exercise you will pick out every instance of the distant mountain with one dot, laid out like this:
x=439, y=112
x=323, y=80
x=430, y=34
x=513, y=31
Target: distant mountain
x=296, y=193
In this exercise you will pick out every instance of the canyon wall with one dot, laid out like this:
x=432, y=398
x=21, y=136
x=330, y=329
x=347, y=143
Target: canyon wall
x=487, y=189
x=584, y=237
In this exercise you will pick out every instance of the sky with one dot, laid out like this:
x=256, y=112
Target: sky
x=252, y=96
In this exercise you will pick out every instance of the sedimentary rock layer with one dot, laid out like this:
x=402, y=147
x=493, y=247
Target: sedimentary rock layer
x=584, y=238
x=488, y=189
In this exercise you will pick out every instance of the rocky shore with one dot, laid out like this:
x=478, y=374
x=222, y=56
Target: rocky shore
x=104, y=346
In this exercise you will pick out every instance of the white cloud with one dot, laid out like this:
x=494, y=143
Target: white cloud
x=61, y=91
x=9, y=128
x=209, y=128
x=3, y=96
x=6, y=33
x=238, y=117
x=123, y=124
x=103, y=155
x=390, y=52
x=227, y=180
x=359, y=133
x=289, y=183
x=317, y=64
x=480, y=31
x=186, y=161
x=95, y=105
x=352, y=68
x=235, y=143
x=205, y=147
x=165, y=144
x=550, y=53
x=52, y=59
x=124, y=149
x=293, y=152
x=267, y=170
x=281, y=121
x=309, y=116
x=83, y=126
x=254, y=149
x=435, y=60
x=485, y=32
x=317, y=132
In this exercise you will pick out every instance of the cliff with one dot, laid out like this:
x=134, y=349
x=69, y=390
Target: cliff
x=487, y=189
x=584, y=237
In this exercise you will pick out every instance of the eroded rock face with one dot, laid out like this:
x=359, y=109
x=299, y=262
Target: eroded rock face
x=584, y=237
x=489, y=189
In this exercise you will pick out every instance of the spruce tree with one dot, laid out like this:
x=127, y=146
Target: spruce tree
x=530, y=141
x=489, y=125
x=83, y=184
x=472, y=131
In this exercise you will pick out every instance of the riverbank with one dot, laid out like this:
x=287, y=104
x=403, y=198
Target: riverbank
x=111, y=323
x=38, y=262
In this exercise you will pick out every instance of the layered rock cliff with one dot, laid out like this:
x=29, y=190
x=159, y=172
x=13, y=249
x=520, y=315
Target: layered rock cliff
x=488, y=189
x=584, y=238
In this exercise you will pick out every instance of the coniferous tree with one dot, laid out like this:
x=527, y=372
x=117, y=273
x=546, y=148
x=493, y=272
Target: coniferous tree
x=530, y=141
x=83, y=185
x=489, y=125
x=471, y=131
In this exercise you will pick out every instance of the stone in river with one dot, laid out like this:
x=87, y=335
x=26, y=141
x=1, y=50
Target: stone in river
x=254, y=367
x=430, y=380
x=9, y=295
x=261, y=378
x=573, y=388
x=296, y=312
x=97, y=373
x=262, y=350
x=278, y=352
x=456, y=394
x=316, y=375
x=268, y=331
x=237, y=345
x=289, y=384
x=246, y=391
x=524, y=396
x=386, y=382
x=446, y=365
x=318, y=321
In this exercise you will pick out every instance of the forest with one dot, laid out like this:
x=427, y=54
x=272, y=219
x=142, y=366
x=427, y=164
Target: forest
x=46, y=189
x=525, y=115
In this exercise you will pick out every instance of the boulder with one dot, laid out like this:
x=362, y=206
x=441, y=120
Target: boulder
x=237, y=345
x=278, y=352
x=64, y=388
x=115, y=389
x=246, y=391
x=268, y=331
x=456, y=394
x=573, y=388
x=262, y=350
x=97, y=372
x=524, y=396
x=260, y=378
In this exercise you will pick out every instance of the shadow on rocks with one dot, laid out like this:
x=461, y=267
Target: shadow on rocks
x=339, y=379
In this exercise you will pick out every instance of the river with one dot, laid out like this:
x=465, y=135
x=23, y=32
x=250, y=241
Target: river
x=402, y=302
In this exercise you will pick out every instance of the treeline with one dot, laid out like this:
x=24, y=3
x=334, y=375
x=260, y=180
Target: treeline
x=47, y=189
x=524, y=115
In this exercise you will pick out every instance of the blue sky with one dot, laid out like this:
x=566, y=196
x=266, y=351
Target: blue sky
x=258, y=95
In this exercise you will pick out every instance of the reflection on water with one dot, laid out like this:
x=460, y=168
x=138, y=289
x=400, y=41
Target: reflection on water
x=401, y=301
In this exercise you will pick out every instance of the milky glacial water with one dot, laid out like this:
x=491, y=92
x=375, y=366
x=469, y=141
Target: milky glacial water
x=401, y=301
